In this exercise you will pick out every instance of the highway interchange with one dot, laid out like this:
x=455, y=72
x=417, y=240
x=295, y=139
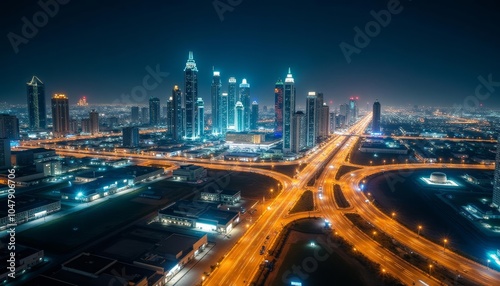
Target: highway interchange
x=241, y=263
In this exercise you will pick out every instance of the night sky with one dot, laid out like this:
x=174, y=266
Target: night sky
x=429, y=53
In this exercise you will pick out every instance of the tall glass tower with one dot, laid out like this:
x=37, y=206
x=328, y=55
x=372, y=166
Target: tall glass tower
x=216, y=104
x=311, y=119
x=224, y=113
x=60, y=115
x=255, y=115
x=278, y=108
x=239, y=117
x=245, y=100
x=154, y=111
x=200, y=109
x=36, y=104
x=177, y=114
x=376, y=117
x=190, y=97
x=231, y=102
x=288, y=111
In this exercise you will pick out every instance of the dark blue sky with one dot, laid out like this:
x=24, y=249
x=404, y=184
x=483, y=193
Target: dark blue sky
x=429, y=53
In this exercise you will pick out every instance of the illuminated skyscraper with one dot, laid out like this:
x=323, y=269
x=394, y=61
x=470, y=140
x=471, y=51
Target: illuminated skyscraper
x=94, y=122
x=200, y=109
x=496, y=179
x=36, y=104
x=299, y=132
x=216, y=102
x=190, y=98
x=323, y=121
x=177, y=114
x=311, y=119
x=83, y=101
x=245, y=100
x=145, y=115
x=170, y=115
x=154, y=111
x=239, y=117
x=353, y=109
x=254, y=116
x=5, y=153
x=60, y=115
x=231, y=102
x=288, y=111
x=224, y=112
x=376, y=117
x=278, y=108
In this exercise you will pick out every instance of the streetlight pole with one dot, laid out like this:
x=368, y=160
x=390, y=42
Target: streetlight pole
x=444, y=244
x=430, y=268
x=419, y=229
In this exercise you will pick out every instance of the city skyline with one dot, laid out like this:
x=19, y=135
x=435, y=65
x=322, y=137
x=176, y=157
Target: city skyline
x=413, y=56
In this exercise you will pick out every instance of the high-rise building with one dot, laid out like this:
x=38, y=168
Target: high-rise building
x=145, y=115
x=376, y=117
x=496, y=178
x=332, y=122
x=190, y=97
x=344, y=114
x=278, y=108
x=224, y=112
x=130, y=136
x=36, y=104
x=154, y=111
x=239, y=117
x=9, y=126
x=83, y=101
x=94, y=122
x=73, y=126
x=86, y=125
x=323, y=121
x=134, y=118
x=254, y=116
x=215, y=93
x=170, y=115
x=60, y=115
x=4, y=153
x=311, y=117
x=288, y=111
x=231, y=102
x=299, y=132
x=177, y=114
x=353, y=110
x=200, y=125
x=245, y=100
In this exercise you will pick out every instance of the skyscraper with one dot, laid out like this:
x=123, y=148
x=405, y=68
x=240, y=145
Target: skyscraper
x=231, y=102
x=311, y=110
x=36, y=104
x=496, y=178
x=190, y=97
x=224, y=112
x=134, y=118
x=177, y=115
x=154, y=111
x=9, y=126
x=376, y=117
x=255, y=116
x=288, y=111
x=200, y=125
x=130, y=136
x=216, y=104
x=324, y=121
x=94, y=122
x=278, y=108
x=60, y=115
x=332, y=122
x=4, y=153
x=239, y=120
x=245, y=100
x=353, y=110
x=145, y=115
x=299, y=132
x=170, y=115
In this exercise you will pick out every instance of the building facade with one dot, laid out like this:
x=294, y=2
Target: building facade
x=288, y=111
x=60, y=115
x=190, y=98
x=278, y=108
x=36, y=104
x=154, y=111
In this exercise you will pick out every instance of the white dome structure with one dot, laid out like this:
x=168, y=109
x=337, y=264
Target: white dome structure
x=438, y=178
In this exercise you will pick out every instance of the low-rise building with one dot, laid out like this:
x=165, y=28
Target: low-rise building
x=189, y=173
x=27, y=208
x=25, y=259
x=224, y=196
